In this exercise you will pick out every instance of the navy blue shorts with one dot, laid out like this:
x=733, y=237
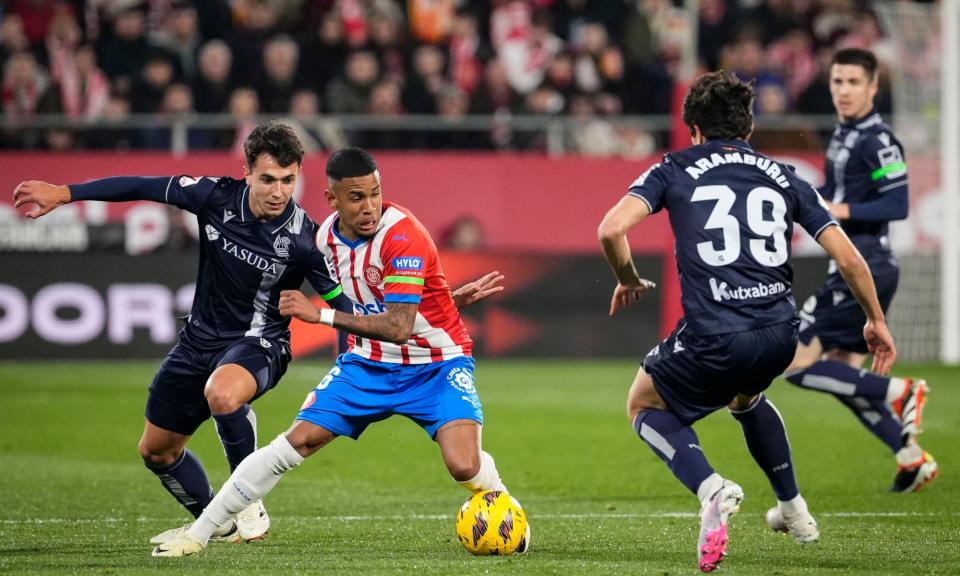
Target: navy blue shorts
x=176, y=401
x=834, y=316
x=696, y=375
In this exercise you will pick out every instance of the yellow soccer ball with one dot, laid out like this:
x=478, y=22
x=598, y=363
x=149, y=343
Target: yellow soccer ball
x=492, y=523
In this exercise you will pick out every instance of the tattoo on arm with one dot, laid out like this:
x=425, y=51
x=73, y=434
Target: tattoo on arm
x=395, y=325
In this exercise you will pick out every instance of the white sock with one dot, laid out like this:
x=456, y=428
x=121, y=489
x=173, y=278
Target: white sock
x=487, y=478
x=792, y=507
x=895, y=390
x=708, y=488
x=909, y=454
x=253, y=479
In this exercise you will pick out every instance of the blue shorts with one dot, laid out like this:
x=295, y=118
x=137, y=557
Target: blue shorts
x=357, y=392
x=176, y=401
x=696, y=375
x=834, y=316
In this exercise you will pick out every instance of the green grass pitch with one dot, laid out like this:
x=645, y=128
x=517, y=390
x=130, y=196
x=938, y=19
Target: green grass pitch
x=76, y=498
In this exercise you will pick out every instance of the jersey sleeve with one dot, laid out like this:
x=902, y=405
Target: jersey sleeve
x=885, y=162
x=406, y=253
x=184, y=192
x=320, y=275
x=651, y=187
x=811, y=213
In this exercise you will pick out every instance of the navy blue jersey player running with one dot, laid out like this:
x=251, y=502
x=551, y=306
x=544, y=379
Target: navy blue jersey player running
x=866, y=188
x=732, y=211
x=255, y=242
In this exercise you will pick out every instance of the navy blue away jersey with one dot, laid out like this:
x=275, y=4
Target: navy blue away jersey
x=865, y=166
x=244, y=262
x=732, y=212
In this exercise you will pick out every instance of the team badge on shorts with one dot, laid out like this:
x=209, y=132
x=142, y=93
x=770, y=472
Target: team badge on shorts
x=373, y=276
x=462, y=380
x=310, y=399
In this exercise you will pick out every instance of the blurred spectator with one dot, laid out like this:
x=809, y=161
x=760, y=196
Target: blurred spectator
x=526, y=48
x=108, y=135
x=123, y=51
x=177, y=106
x=213, y=84
x=466, y=67
x=387, y=39
x=385, y=103
x=453, y=105
x=465, y=234
x=150, y=89
x=350, y=93
x=180, y=36
x=26, y=91
x=425, y=80
x=792, y=58
x=12, y=37
x=496, y=97
x=430, y=20
x=244, y=107
x=257, y=24
x=36, y=16
x=718, y=20
x=84, y=88
x=325, y=51
x=281, y=57
x=592, y=136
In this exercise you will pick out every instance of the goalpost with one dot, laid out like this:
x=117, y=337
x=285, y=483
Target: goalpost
x=923, y=58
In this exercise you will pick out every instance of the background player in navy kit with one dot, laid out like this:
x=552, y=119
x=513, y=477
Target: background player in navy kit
x=732, y=211
x=866, y=188
x=235, y=346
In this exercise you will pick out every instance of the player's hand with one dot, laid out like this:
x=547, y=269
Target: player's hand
x=45, y=196
x=480, y=289
x=624, y=294
x=880, y=343
x=294, y=304
x=839, y=211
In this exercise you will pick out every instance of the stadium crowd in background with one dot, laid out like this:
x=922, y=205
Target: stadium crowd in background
x=98, y=61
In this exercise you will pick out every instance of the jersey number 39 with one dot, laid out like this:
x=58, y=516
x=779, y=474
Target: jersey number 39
x=721, y=218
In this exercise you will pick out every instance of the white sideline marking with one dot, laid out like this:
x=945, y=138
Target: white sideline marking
x=303, y=519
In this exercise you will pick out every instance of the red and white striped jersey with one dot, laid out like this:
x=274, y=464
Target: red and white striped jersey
x=399, y=263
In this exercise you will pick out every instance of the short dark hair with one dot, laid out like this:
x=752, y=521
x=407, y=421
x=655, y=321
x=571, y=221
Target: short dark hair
x=275, y=139
x=721, y=105
x=350, y=163
x=858, y=57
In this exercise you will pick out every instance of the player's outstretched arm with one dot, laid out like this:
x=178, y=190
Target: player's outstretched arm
x=44, y=196
x=480, y=289
x=857, y=275
x=612, y=233
x=395, y=325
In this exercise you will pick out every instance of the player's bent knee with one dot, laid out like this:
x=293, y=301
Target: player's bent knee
x=224, y=399
x=154, y=458
x=464, y=469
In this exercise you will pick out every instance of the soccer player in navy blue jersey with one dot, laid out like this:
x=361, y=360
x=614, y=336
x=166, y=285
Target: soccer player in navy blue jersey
x=255, y=242
x=866, y=188
x=732, y=211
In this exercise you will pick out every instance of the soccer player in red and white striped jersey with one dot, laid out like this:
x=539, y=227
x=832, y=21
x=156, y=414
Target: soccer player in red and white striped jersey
x=409, y=354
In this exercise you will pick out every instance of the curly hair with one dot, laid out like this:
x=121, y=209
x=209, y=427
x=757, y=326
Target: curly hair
x=277, y=140
x=720, y=105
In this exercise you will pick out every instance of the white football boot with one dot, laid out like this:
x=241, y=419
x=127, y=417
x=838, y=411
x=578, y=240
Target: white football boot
x=712, y=543
x=182, y=545
x=801, y=526
x=253, y=522
x=226, y=533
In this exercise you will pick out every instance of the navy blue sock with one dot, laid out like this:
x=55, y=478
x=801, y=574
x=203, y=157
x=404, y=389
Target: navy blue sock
x=766, y=438
x=238, y=434
x=841, y=380
x=875, y=415
x=676, y=444
x=863, y=392
x=186, y=480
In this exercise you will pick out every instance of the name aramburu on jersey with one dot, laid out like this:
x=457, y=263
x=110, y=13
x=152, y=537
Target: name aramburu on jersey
x=769, y=167
x=722, y=291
